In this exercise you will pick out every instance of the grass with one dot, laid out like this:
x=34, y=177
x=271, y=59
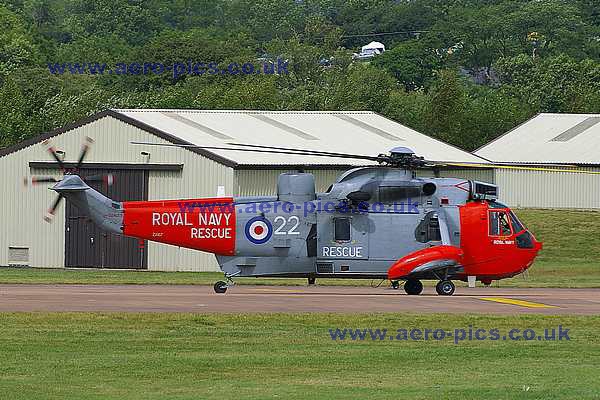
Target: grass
x=186, y=356
x=568, y=236
x=189, y=356
x=570, y=258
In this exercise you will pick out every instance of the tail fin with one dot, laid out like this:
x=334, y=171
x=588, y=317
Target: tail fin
x=105, y=213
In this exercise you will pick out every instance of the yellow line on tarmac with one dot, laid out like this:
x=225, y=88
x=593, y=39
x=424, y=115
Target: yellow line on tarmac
x=515, y=302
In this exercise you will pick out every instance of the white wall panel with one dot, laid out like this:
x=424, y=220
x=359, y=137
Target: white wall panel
x=542, y=189
x=472, y=174
x=22, y=210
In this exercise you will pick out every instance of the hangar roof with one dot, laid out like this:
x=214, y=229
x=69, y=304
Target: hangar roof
x=356, y=132
x=548, y=139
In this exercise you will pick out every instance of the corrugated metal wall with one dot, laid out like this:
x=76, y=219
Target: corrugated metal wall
x=264, y=182
x=23, y=209
x=542, y=189
x=472, y=174
x=22, y=212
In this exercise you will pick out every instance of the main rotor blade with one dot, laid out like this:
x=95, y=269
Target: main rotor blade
x=52, y=210
x=520, y=168
x=312, y=152
x=291, y=152
x=84, y=149
x=53, y=153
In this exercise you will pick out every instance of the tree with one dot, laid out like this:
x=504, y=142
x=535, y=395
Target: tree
x=446, y=108
x=16, y=47
x=553, y=84
x=412, y=62
x=14, y=125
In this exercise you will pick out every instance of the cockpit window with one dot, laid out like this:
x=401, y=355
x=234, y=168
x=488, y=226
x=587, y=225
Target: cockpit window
x=499, y=225
x=516, y=224
x=392, y=194
x=496, y=204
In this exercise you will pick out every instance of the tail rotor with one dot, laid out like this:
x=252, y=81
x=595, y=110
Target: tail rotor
x=106, y=179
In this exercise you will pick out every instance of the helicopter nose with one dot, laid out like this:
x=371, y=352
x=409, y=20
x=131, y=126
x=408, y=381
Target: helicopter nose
x=537, y=245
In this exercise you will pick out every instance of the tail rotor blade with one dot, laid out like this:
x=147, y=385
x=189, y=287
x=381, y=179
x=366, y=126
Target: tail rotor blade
x=52, y=210
x=38, y=180
x=84, y=149
x=54, y=154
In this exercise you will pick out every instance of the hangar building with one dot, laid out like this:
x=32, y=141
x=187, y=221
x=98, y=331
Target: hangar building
x=152, y=173
x=564, y=139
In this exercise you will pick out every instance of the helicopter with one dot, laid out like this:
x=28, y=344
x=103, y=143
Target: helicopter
x=373, y=222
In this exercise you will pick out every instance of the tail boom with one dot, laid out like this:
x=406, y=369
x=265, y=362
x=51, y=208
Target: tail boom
x=201, y=224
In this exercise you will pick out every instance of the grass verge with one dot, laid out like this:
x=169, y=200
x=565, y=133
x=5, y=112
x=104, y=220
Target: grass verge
x=185, y=356
x=579, y=274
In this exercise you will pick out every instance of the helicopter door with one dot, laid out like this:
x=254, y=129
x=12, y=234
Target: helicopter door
x=342, y=242
x=393, y=236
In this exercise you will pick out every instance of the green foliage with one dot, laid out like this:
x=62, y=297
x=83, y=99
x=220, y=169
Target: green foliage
x=463, y=71
x=412, y=63
x=16, y=46
x=554, y=84
x=13, y=124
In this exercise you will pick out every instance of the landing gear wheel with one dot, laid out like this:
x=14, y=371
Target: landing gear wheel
x=312, y=280
x=445, y=288
x=220, y=287
x=395, y=285
x=413, y=287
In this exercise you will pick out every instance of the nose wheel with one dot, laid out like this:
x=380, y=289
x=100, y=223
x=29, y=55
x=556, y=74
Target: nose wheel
x=445, y=288
x=413, y=287
x=220, y=287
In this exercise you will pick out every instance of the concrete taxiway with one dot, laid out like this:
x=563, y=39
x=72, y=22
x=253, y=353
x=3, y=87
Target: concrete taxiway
x=293, y=299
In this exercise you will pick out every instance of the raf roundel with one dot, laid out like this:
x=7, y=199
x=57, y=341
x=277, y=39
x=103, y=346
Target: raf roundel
x=258, y=230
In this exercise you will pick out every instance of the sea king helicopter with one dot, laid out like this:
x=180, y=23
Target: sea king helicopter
x=374, y=222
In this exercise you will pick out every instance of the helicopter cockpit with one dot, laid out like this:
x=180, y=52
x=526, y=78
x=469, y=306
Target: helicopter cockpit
x=503, y=223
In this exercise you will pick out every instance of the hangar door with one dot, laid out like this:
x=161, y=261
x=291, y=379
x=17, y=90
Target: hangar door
x=88, y=246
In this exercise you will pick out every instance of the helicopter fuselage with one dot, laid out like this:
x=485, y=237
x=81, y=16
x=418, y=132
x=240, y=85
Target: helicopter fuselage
x=365, y=226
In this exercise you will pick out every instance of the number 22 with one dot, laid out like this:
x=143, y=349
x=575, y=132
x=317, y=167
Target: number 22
x=293, y=220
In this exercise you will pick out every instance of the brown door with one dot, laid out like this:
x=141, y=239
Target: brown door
x=88, y=246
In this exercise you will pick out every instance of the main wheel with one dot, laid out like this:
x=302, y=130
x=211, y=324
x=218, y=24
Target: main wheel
x=312, y=280
x=445, y=288
x=220, y=287
x=413, y=287
x=395, y=285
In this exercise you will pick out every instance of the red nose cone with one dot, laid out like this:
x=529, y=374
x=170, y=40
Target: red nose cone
x=411, y=262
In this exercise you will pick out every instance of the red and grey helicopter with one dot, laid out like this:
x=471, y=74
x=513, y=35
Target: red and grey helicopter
x=375, y=222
